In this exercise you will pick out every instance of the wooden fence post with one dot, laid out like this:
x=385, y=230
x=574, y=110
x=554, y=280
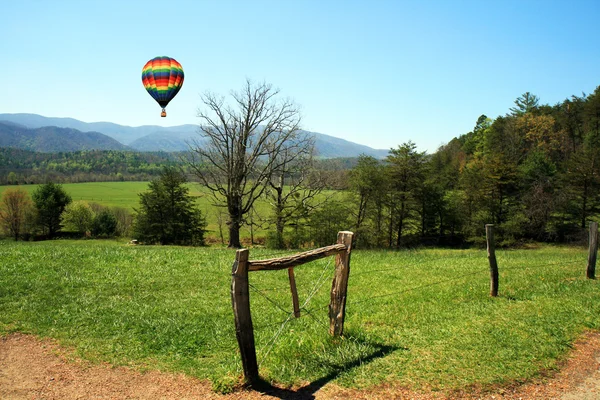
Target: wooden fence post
x=339, y=287
x=593, y=251
x=244, y=331
x=491, y=251
x=295, y=301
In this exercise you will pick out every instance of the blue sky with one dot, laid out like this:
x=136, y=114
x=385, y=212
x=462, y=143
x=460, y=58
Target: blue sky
x=377, y=72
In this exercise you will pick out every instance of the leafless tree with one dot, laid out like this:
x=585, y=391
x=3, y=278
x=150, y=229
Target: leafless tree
x=240, y=146
x=15, y=210
x=293, y=188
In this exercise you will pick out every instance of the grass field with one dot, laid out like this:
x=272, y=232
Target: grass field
x=417, y=318
x=125, y=194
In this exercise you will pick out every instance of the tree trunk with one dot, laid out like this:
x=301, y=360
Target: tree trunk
x=362, y=209
x=234, y=206
x=584, y=205
x=391, y=228
x=234, y=235
x=279, y=233
x=378, y=222
x=279, y=220
x=400, y=225
x=423, y=217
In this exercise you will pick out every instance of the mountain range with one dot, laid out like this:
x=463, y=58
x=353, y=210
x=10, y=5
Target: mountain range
x=50, y=139
x=46, y=134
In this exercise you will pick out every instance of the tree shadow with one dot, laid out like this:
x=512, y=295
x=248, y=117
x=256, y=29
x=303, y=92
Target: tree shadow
x=308, y=392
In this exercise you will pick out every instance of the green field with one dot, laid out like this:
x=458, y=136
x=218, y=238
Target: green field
x=118, y=194
x=125, y=194
x=423, y=319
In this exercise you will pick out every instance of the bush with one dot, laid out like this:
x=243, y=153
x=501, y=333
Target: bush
x=104, y=225
x=78, y=217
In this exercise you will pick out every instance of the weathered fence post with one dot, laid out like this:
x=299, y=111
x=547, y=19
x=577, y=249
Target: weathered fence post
x=295, y=301
x=339, y=288
x=244, y=331
x=593, y=252
x=491, y=251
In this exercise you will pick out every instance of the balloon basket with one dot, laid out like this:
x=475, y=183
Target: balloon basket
x=163, y=113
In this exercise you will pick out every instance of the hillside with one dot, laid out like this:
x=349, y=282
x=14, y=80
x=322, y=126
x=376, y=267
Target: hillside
x=175, y=138
x=50, y=139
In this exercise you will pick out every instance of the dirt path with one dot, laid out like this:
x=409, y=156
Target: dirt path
x=40, y=369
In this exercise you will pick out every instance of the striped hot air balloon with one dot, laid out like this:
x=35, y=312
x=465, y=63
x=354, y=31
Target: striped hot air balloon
x=162, y=77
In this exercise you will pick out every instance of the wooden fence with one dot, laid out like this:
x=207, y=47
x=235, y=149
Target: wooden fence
x=491, y=251
x=240, y=294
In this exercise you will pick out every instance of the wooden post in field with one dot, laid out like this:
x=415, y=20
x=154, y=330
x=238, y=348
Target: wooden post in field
x=244, y=331
x=491, y=252
x=295, y=301
x=593, y=252
x=339, y=287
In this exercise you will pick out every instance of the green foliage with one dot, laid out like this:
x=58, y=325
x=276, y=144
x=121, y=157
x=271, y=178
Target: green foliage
x=526, y=103
x=78, y=217
x=168, y=214
x=81, y=166
x=417, y=319
x=104, y=224
x=326, y=222
x=50, y=201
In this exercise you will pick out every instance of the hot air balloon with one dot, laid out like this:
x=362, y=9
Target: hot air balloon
x=162, y=77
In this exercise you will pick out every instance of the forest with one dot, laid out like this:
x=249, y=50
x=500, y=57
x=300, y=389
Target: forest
x=18, y=166
x=534, y=173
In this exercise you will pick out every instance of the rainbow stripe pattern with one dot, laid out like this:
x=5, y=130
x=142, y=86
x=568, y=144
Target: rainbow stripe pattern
x=162, y=77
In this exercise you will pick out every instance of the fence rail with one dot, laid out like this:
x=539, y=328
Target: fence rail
x=240, y=293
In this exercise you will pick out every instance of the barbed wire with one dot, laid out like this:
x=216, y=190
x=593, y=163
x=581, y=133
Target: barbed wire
x=415, y=288
x=255, y=290
x=522, y=267
x=275, y=338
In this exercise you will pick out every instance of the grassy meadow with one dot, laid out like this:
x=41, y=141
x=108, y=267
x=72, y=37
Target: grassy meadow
x=125, y=195
x=420, y=318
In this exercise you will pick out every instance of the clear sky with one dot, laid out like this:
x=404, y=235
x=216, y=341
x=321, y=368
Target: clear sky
x=375, y=72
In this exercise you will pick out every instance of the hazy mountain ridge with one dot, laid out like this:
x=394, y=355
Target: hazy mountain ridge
x=51, y=139
x=174, y=138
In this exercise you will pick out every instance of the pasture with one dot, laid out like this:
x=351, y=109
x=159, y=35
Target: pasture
x=421, y=318
x=125, y=195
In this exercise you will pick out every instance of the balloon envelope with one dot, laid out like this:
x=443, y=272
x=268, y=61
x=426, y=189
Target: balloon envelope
x=162, y=77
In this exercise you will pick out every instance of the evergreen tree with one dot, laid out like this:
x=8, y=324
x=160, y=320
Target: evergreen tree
x=104, y=224
x=405, y=165
x=168, y=213
x=50, y=201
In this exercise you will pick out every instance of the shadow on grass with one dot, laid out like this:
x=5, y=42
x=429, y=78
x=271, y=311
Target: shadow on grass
x=308, y=392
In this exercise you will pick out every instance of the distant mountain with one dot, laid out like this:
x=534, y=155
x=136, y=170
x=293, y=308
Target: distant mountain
x=333, y=147
x=51, y=139
x=175, y=138
x=326, y=146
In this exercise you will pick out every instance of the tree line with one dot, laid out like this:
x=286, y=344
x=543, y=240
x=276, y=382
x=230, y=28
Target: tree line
x=534, y=173
x=167, y=214
x=50, y=213
x=18, y=166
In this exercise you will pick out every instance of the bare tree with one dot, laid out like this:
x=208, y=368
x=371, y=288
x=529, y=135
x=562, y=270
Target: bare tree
x=292, y=188
x=15, y=209
x=240, y=146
